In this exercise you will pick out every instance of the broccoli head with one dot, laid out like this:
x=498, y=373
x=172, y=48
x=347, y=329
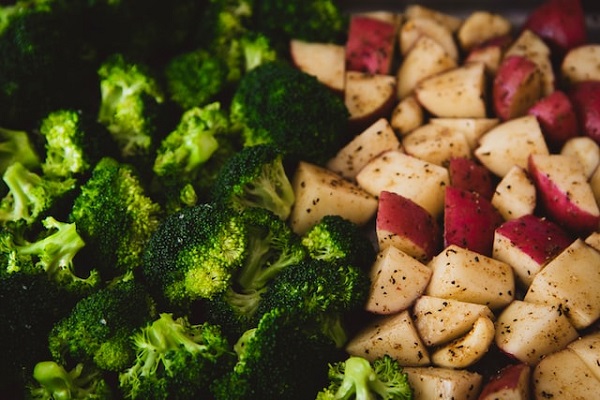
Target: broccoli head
x=99, y=327
x=255, y=177
x=115, y=217
x=82, y=382
x=175, y=359
x=16, y=145
x=357, y=378
x=279, y=104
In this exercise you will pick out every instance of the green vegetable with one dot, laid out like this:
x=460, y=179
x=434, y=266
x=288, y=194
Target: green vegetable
x=80, y=383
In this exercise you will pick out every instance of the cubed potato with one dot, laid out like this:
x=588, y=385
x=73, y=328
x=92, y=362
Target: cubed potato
x=414, y=28
x=556, y=116
x=587, y=347
x=585, y=150
x=585, y=97
x=397, y=280
x=370, y=44
x=436, y=144
x=529, y=331
x=489, y=53
x=325, y=61
x=517, y=86
x=450, y=21
x=393, y=171
x=570, y=282
x=593, y=240
x=510, y=383
x=321, y=192
x=394, y=335
x=443, y=383
x=480, y=26
x=472, y=128
x=581, y=63
x=407, y=116
x=440, y=320
x=467, y=174
x=368, y=97
x=468, y=276
x=515, y=194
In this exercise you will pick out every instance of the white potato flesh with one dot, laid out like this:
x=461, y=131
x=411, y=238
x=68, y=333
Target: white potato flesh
x=394, y=335
x=515, y=194
x=490, y=55
x=321, y=192
x=394, y=171
x=397, y=280
x=325, y=61
x=587, y=347
x=468, y=276
x=449, y=21
x=581, y=63
x=441, y=320
x=472, y=128
x=436, y=144
x=417, y=27
x=593, y=240
x=369, y=96
x=510, y=383
x=529, y=331
x=443, y=383
x=570, y=282
x=406, y=116
x=376, y=139
x=511, y=143
x=480, y=26
x=585, y=150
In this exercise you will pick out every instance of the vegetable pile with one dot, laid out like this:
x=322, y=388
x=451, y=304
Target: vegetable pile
x=241, y=199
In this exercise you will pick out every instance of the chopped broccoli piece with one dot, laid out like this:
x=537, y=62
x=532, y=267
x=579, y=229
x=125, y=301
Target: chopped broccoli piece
x=255, y=177
x=130, y=102
x=16, y=145
x=175, y=360
x=279, y=104
x=257, y=49
x=99, y=327
x=115, y=217
x=80, y=383
x=357, y=378
x=31, y=196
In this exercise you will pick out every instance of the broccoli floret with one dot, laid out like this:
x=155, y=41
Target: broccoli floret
x=357, y=378
x=325, y=293
x=115, y=217
x=129, y=107
x=31, y=196
x=255, y=177
x=74, y=143
x=80, y=383
x=279, y=104
x=16, y=145
x=175, y=359
x=336, y=239
x=99, y=327
x=277, y=359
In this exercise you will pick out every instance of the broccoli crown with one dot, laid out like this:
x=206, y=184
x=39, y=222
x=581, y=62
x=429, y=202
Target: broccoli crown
x=80, y=383
x=336, y=239
x=257, y=49
x=129, y=104
x=16, y=145
x=98, y=328
x=325, y=293
x=277, y=103
x=115, y=216
x=30, y=195
x=255, y=177
x=357, y=378
x=175, y=359
x=74, y=143
x=277, y=359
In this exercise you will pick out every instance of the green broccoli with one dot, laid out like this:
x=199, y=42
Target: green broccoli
x=130, y=105
x=53, y=381
x=255, y=177
x=115, y=217
x=357, y=378
x=277, y=359
x=279, y=104
x=336, y=239
x=175, y=360
x=16, y=145
x=74, y=142
x=325, y=293
x=99, y=327
x=31, y=196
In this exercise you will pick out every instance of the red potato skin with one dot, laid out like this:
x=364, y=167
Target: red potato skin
x=585, y=97
x=558, y=207
x=514, y=72
x=556, y=116
x=370, y=45
x=539, y=238
x=399, y=215
x=514, y=376
x=560, y=23
x=467, y=174
x=470, y=221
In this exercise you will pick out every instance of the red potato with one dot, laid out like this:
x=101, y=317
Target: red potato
x=466, y=174
x=470, y=221
x=368, y=97
x=516, y=87
x=585, y=97
x=560, y=23
x=564, y=193
x=510, y=383
x=557, y=118
x=325, y=61
x=370, y=45
x=402, y=223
